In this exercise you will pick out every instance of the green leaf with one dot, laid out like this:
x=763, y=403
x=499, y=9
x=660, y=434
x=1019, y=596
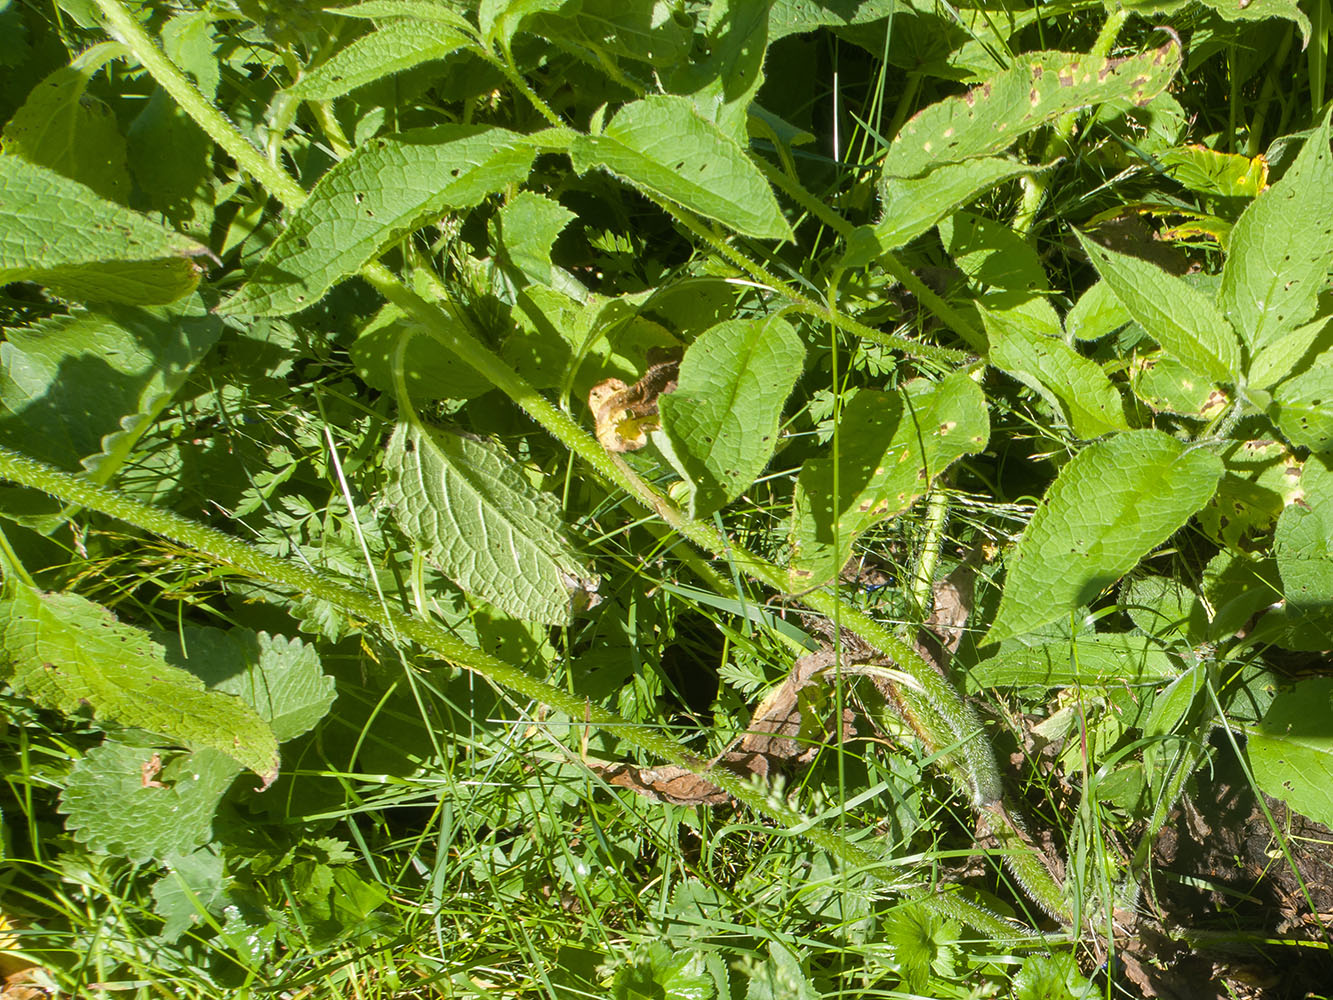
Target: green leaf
x=1303, y=409
x=1037, y=88
x=71, y=132
x=1180, y=318
x=1281, y=249
x=911, y=205
x=780, y=976
x=1291, y=752
x=384, y=190
x=422, y=10
x=1168, y=386
x=429, y=369
x=1103, y=659
x=1303, y=541
x=71, y=655
x=192, y=888
x=657, y=32
x=1292, y=352
x=991, y=253
x=529, y=225
x=84, y=386
x=792, y=17
x=109, y=806
x=662, y=145
x=1096, y=313
x=482, y=524
x=1259, y=10
x=722, y=420
x=1109, y=507
x=391, y=48
x=1165, y=608
x=1071, y=383
x=1051, y=977
x=59, y=233
x=891, y=448
x=279, y=678
x=723, y=84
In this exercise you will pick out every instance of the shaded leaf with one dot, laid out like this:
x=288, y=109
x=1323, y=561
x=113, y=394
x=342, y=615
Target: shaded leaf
x=109, y=807
x=1108, y=508
x=61, y=234
x=892, y=446
x=1291, y=751
x=1089, y=660
x=393, y=47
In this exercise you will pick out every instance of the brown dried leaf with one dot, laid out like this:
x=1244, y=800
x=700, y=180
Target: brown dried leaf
x=626, y=414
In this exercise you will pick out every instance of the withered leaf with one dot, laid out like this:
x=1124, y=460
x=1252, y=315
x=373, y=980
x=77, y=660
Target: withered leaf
x=626, y=414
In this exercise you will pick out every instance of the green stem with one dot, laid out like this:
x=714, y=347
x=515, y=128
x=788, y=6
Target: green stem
x=923, y=578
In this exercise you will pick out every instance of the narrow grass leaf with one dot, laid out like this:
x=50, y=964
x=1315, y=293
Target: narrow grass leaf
x=383, y=191
x=1107, y=509
x=1036, y=89
x=1183, y=320
x=1291, y=752
x=482, y=524
x=1072, y=384
x=71, y=655
x=1281, y=249
x=61, y=234
x=722, y=420
x=1303, y=409
x=391, y=48
x=663, y=146
x=911, y=205
x=891, y=447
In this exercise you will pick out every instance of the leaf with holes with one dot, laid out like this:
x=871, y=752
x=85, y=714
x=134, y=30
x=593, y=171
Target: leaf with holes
x=1291, y=750
x=1107, y=509
x=891, y=447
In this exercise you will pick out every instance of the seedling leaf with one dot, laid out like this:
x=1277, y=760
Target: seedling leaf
x=1109, y=507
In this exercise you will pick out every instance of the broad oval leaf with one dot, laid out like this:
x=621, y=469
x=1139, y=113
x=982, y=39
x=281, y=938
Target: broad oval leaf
x=1111, y=505
x=392, y=48
x=384, y=190
x=483, y=524
x=61, y=234
x=662, y=145
x=70, y=654
x=1303, y=541
x=1281, y=249
x=1036, y=89
x=891, y=447
x=722, y=419
x=1178, y=316
x=1291, y=752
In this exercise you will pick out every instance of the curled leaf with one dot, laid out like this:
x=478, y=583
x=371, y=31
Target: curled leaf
x=626, y=414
